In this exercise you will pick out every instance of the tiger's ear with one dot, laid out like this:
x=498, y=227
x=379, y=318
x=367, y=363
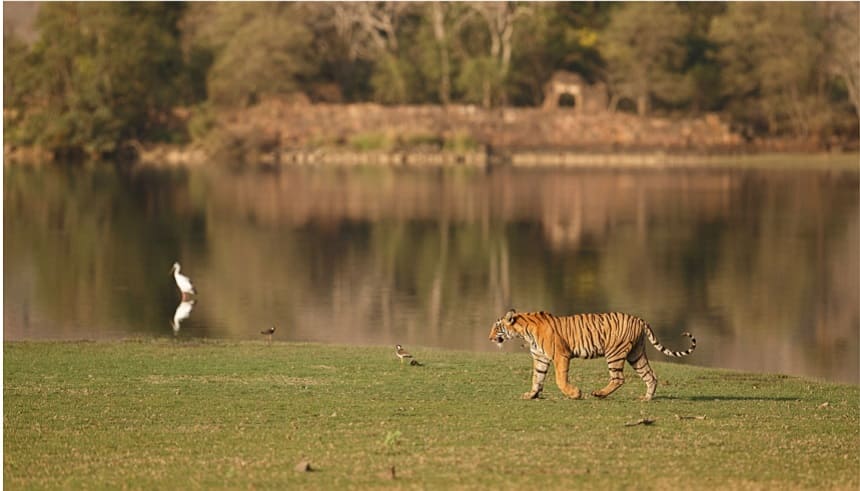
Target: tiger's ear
x=511, y=315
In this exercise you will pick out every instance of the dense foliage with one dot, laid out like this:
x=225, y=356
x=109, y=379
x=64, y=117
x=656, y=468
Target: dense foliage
x=102, y=74
x=99, y=75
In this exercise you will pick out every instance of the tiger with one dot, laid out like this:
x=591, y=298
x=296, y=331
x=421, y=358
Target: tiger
x=616, y=336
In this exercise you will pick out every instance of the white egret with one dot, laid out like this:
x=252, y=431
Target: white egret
x=183, y=282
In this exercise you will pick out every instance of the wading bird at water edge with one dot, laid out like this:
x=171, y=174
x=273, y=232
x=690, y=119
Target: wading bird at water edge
x=183, y=282
x=268, y=332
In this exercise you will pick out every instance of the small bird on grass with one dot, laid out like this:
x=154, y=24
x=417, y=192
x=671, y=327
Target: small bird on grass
x=268, y=332
x=401, y=353
x=183, y=282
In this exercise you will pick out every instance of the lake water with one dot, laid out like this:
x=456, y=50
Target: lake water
x=761, y=266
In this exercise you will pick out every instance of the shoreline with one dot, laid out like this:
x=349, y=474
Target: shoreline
x=278, y=133
x=547, y=159
x=169, y=156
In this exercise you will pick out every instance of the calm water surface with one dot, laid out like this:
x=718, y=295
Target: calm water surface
x=762, y=266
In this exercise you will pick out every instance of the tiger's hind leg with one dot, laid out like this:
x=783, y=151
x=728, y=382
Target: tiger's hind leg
x=639, y=362
x=616, y=376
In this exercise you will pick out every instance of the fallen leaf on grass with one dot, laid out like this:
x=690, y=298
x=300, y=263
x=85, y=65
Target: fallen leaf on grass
x=825, y=405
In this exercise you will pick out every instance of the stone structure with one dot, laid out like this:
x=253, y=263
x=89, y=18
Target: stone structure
x=299, y=132
x=587, y=98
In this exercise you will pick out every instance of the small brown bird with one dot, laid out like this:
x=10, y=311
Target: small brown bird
x=401, y=353
x=268, y=332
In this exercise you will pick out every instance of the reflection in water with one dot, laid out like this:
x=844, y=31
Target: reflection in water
x=761, y=266
x=183, y=310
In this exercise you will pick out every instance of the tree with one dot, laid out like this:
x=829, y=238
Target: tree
x=493, y=67
x=440, y=34
x=772, y=56
x=558, y=36
x=100, y=74
x=17, y=80
x=701, y=67
x=843, y=21
x=258, y=50
x=373, y=30
x=643, y=48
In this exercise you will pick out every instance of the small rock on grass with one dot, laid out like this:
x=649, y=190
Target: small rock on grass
x=303, y=466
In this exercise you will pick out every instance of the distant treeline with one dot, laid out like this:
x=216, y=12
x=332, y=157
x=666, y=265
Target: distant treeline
x=101, y=75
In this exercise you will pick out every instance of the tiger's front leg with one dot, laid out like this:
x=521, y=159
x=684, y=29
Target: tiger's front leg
x=541, y=366
x=562, y=365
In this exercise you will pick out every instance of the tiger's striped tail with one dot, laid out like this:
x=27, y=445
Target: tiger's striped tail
x=667, y=351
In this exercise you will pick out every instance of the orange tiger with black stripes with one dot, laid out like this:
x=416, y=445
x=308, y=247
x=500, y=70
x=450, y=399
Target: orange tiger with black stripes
x=616, y=336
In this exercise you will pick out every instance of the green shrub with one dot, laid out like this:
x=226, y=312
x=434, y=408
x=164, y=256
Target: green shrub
x=371, y=141
x=461, y=142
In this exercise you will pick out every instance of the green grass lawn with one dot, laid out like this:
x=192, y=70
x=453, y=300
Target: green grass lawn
x=180, y=415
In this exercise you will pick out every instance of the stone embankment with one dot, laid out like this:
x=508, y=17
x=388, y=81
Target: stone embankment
x=283, y=133
x=303, y=125
x=280, y=132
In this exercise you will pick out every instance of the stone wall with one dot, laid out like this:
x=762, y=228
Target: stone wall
x=297, y=126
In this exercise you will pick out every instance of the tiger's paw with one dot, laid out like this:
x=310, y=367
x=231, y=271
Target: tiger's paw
x=645, y=398
x=575, y=394
x=531, y=395
x=598, y=394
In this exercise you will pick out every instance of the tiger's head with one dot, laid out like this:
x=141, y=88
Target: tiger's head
x=503, y=329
